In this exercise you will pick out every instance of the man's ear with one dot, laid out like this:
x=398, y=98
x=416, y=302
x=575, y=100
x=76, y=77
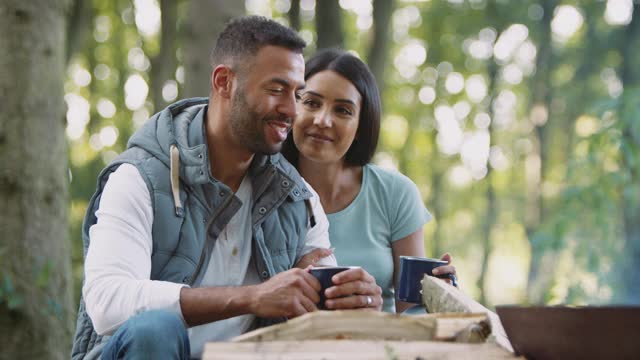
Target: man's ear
x=222, y=81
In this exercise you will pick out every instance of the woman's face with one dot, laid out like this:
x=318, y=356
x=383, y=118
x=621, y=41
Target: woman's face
x=327, y=117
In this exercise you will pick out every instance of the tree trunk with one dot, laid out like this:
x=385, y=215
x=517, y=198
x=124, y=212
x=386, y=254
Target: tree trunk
x=628, y=112
x=163, y=65
x=491, y=212
x=541, y=266
x=80, y=20
x=329, y=24
x=294, y=15
x=36, y=314
x=379, y=49
x=206, y=20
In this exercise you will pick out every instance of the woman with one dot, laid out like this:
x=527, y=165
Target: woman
x=375, y=215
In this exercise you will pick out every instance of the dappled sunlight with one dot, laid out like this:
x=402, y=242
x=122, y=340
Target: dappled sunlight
x=450, y=134
x=466, y=113
x=410, y=56
x=475, y=153
x=427, y=95
x=508, y=265
x=263, y=8
x=454, y=83
x=509, y=42
x=102, y=28
x=476, y=88
x=363, y=10
x=394, y=131
x=106, y=108
x=108, y=135
x=135, y=90
x=460, y=176
x=170, y=91
x=81, y=77
x=567, y=20
x=140, y=116
x=618, y=12
x=482, y=120
x=586, y=126
x=77, y=115
x=138, y=60
x=147, y=14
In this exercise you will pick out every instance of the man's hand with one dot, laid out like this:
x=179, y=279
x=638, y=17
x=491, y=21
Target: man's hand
x=354, y=289
x=312, y=257
x=290, y=293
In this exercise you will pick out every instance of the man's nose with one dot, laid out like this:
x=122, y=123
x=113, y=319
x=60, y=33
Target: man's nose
x=288, y=106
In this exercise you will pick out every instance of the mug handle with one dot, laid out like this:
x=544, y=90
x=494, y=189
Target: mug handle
x=454, y=280
x=452, y=277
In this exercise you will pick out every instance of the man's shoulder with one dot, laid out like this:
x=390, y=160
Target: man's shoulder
x=299, y=188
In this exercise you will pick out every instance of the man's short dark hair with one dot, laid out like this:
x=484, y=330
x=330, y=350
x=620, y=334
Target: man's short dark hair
x=353, y=69
x=243, y=37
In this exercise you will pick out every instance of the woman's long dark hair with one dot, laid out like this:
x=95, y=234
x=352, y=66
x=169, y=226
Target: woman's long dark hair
x=353, y=69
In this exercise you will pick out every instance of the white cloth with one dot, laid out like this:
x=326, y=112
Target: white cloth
x=230, y=256
x=118, y=263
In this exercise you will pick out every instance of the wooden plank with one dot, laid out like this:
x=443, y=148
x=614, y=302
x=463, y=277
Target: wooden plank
x=353, y=349
x=440, y=297
x=374, y=325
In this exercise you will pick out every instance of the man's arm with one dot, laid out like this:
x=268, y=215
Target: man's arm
x=118, y=267
x=118, y=263
x=287, y=294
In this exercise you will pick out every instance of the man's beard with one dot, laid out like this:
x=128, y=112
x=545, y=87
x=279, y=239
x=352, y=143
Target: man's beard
x=247, y=125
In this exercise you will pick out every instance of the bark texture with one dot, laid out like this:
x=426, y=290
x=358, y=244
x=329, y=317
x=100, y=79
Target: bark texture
x=36, y=315
x=206, y=20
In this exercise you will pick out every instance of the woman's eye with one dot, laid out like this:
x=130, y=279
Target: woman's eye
x=311, y=103
x=345, y=111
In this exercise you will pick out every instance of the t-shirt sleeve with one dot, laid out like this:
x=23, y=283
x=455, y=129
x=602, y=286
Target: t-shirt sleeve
x=318, y=236
x=407, y=211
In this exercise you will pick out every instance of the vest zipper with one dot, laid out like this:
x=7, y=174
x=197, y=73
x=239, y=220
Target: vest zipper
x=206, y=246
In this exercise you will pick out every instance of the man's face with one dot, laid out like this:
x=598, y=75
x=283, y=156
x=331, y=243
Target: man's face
x=264, y=102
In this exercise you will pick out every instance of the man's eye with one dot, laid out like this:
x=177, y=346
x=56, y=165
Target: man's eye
x=276, y=90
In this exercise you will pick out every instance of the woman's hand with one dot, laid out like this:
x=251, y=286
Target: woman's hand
x=312, y=257
x=444, y=270
x=354, y=289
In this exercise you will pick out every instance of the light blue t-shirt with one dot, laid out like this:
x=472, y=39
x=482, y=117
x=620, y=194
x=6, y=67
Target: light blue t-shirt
x=387, y=208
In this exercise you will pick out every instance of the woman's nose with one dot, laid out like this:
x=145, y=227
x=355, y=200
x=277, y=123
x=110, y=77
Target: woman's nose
x=322, y=119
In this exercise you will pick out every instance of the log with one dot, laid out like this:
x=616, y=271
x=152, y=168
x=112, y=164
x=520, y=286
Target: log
x=440, y=297
x=353, y=349
x=373, y=325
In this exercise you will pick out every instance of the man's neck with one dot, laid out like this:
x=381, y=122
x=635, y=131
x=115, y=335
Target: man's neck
x=228, y=160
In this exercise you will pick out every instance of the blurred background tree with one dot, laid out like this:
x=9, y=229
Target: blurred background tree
x=518, y=120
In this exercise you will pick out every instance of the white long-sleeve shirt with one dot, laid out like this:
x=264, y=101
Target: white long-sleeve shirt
x=118, y=263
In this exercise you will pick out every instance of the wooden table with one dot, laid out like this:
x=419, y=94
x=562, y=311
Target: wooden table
x=354, y=349
x=460, y=328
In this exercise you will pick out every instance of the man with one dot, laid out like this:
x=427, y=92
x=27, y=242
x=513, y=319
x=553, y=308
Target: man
x=200, y=222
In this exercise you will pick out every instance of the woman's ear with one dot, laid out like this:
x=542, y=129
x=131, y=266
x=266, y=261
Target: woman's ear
x=222, y=81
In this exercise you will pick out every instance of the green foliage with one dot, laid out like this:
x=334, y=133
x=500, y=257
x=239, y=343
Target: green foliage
x=590, y=157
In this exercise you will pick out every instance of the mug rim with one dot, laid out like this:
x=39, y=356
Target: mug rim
x=424, y=259
x=338, y=267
